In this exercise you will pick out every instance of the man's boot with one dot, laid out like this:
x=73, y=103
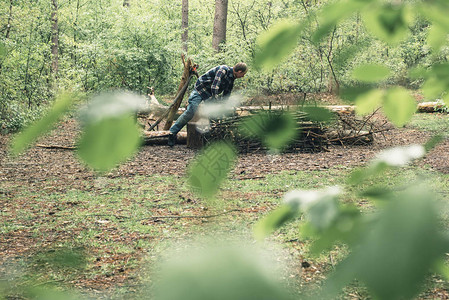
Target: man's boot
x=171, y=140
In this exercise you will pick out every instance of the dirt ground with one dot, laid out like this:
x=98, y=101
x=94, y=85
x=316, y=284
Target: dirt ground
x=39, y=165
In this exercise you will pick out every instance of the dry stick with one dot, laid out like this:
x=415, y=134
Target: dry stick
x=367, y=119
x=181, y=93
x=56, y=147
x=170, y=217
x=191, y=217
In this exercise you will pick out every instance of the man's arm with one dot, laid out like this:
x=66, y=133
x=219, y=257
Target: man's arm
x=217, y=81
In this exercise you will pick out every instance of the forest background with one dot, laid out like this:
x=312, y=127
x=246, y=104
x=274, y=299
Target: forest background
x=93, y=46
x=371, y=52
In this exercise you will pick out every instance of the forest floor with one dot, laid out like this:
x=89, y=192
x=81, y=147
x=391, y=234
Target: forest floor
x=43, y=173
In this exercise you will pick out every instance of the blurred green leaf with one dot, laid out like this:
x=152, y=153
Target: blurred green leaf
x=351, y=93
x=334, y=13
x=323, y=212
x=433, y=87
x=399, y=106
x=219, y=273
x=360, y=175
x=31, y=133
x=318, y=114
x=109, y=141
x=436, y=13
x=371, y=73
x=389, y=22
x=346, y=228
x=273, y=221
x=396, y=253
x=211, y=168
x=442, y=269
x=377, y=193
x=437, y=37
x=276, y=130
x=277, y=43
x=433, y=142
x=346, y=54
x=418, y=72
x=437, y=81
x=368, y=102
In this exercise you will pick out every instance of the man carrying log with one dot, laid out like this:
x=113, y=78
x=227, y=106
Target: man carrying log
x=216, y=81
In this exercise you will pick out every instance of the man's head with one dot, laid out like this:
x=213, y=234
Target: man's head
x=240, y=70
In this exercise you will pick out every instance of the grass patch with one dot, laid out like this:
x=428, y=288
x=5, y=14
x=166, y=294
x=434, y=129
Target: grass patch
x=124, y=225
x=435, y=123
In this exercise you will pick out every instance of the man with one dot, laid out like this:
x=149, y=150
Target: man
x=216, y=81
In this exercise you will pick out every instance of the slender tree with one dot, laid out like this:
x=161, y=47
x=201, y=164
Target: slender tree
x=54, y=37
x=221, y=15
x=8, y=26
x=185, y=24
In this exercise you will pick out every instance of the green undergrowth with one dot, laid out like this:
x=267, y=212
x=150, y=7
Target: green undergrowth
x=435, y=123
x=120, y=227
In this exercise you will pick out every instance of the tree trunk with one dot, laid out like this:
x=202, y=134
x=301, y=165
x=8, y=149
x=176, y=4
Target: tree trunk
x=8, y=26
x=54, y=37
x=221, y=14
x=189, y=70
x=185, y=25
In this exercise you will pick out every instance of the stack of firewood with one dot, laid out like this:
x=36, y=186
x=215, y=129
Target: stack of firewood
x=312, y=136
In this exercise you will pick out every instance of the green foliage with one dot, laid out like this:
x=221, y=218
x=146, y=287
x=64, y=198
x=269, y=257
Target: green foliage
x=389, y=22
x=403, y=237
x=110, y=133
x=108, y=142
x=275, y=130
x=108, y=46
x=239, y=274
x=399, y=106
x=371, y=73
x=29, y=135
x=283, y=33
x=211, y=168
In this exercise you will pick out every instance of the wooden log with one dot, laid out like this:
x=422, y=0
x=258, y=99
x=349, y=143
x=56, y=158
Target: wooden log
x=246, y=110
x=161, y=137
x=430, y=107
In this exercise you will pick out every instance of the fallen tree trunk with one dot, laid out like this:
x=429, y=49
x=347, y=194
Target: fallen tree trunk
x=161, y=137
x=430, y=107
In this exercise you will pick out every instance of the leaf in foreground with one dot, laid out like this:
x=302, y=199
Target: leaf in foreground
x=399, y=106
x=396, y=254
x=273, y=221
x=277, y=43
x=220, y=273
x=371, y=73
x=388, y=22
x=31, y=133
x=108, y=142
x=275, y=130
x=211, y=168
x=368, y=102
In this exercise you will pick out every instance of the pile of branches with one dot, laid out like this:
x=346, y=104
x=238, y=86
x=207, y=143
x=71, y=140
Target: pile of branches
x=312, y=136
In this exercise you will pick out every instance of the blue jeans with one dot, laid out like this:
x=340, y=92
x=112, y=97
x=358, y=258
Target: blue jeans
x=194, y=100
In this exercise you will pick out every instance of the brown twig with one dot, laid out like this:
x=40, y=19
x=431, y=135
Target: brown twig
x=56, y=147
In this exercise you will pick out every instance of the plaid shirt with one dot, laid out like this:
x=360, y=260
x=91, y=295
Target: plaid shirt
x=216, y=80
